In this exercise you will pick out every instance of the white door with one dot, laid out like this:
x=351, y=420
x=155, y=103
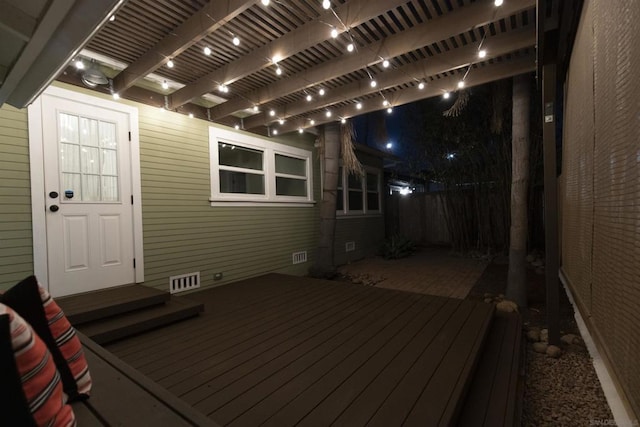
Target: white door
x=88, y=197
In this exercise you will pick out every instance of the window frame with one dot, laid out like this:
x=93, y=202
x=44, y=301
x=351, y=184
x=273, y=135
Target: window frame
x=269, y=150
x=344, y=183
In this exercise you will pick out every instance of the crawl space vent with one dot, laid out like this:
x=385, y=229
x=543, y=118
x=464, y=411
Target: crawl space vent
x=299, y=257
x=184, y=282
x=350, y=246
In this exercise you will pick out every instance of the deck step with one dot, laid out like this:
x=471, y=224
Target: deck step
x=132, y=323
x=92, y=306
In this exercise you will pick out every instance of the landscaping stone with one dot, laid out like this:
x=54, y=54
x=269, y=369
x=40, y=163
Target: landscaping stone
x=488, y=300
x=507, y=306
x=544, y=335
x=533, y=335
x=570, y=339
x=553, y=351
x=540, y=347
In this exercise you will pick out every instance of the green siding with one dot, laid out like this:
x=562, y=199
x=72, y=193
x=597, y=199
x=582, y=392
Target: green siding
x=16, y=253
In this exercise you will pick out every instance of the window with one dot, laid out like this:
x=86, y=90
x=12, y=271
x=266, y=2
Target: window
x=358, y=195
x=251, y=169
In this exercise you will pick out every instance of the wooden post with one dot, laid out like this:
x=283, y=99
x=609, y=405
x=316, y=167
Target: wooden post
x=550, y=200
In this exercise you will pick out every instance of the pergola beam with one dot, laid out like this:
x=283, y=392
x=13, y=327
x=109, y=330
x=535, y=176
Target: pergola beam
x=215, y=14
x=308, y=35
x=476, y=77
x=449, y=25
x=457, y=58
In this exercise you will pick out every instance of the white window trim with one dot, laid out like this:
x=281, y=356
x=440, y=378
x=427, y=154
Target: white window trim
x=269, y=149
x=344, y=212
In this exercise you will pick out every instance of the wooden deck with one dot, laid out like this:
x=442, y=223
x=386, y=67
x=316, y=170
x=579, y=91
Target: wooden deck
x=280, y=350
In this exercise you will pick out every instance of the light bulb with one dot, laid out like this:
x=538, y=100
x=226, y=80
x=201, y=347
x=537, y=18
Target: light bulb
x=385, y=102
x=300, y=130
x=116, y=96
x=343, y=120
x=236, y=41
x=498, y=2
x=207, y=50
x=237, y=126
x=446, y=95
x=265, y=2
x=313, y=122
x=221, y=87
x=482, y=53
x=309, y=98
x=326, y=4
x=276, y=59
x=112, y=18
x=165, y=85
x=79, y=64
x=170, y=63
x=328, y=114
x=389, y=145
x=278, y=71
x=191, y=115
x=421, y=85
x=334, y=33
x=359, y=106
x=275, y=131
x=386, y=63
x=255, y=108
x=350, y=47
x=461, y=84
x=321, y=92
x=272, y=113
x=389, y=110
x=281, y=121
x=373, y=83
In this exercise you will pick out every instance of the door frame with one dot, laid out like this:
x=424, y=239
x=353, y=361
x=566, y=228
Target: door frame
x=36, y=159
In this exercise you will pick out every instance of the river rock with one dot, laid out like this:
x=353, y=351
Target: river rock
x=507, y=306
x=540, y=347
x=533, y=335
x=553, y=351
x=544, y=335
x=570, y=339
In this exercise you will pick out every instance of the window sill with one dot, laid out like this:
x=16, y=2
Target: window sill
x=267, y=203
x=341, y=215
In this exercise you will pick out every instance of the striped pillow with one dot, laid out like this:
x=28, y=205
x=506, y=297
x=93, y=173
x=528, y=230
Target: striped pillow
x=35, y=304
x=39, y=379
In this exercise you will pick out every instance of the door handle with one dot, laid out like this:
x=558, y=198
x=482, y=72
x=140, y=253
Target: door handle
x=54, y=208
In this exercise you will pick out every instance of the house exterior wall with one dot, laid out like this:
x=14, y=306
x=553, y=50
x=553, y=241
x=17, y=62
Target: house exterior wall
x=16, y=252
x=601, y=183
x=182, y=232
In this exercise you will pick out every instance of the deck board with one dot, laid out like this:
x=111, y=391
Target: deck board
x=280, y=350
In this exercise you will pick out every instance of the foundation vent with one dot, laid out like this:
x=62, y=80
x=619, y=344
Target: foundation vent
x=184, y=282
x=350, y=246
x=299, y=257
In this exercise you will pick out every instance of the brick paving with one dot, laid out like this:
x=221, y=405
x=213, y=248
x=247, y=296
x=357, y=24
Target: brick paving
x=432, y=271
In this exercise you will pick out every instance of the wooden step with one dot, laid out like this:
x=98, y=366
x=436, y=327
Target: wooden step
x=132, y=323
x=91, y=306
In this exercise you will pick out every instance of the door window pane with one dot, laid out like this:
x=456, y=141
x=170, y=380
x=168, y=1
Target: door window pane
x=68, y=128
x=110, y=189
x=109, y=163
x=71, y=181
x=239, y=157
x=290, y=165
x=108, y=135
x=88, y=132
x=240, y=182
x=291, y=187
x=90, y=160
x=69, y=158
x=90, y=188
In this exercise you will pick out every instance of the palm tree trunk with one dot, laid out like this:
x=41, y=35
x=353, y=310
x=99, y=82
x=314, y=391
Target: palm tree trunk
x=324, y=265
x=517, y=278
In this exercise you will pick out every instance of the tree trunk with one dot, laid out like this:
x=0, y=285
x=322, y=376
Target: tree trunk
x=517, y=279
x=324, y=265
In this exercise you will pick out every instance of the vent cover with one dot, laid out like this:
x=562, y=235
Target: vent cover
x=299, y=257
x=184, y=282
x=350, y=246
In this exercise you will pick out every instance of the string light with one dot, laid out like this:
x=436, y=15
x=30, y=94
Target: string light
x=313, y=122
x=359, y=106
x=255, y=108
x=281, y=121
x=278, y=71
x=237, y=126
x=207, y=50
x=276, y=58
x=223, y=88
x=386, y=63
x=275, y=131
x=334, y=33
x=116, y=96
x=460, y=84
x=300, y=130
x=385, y=103
x=373, y=83
x=165, y=85
x=321, y=92
x=350, y=47
x=272, y=113
x=265, y=2
x=446, y=95
x=498, y=3
x=343, y=120
x=236, y=41
x=79, y=64
x=421, y=85
x=326, y=4
x=328, y=114
x=170, y=63
x=389, y=110
x=309, y=98
x=482, y=53
x=191, y=115
x=112, y=18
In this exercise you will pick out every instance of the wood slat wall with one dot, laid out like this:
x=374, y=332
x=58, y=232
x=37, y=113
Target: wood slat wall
x=601, y=206
x=16, y=254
